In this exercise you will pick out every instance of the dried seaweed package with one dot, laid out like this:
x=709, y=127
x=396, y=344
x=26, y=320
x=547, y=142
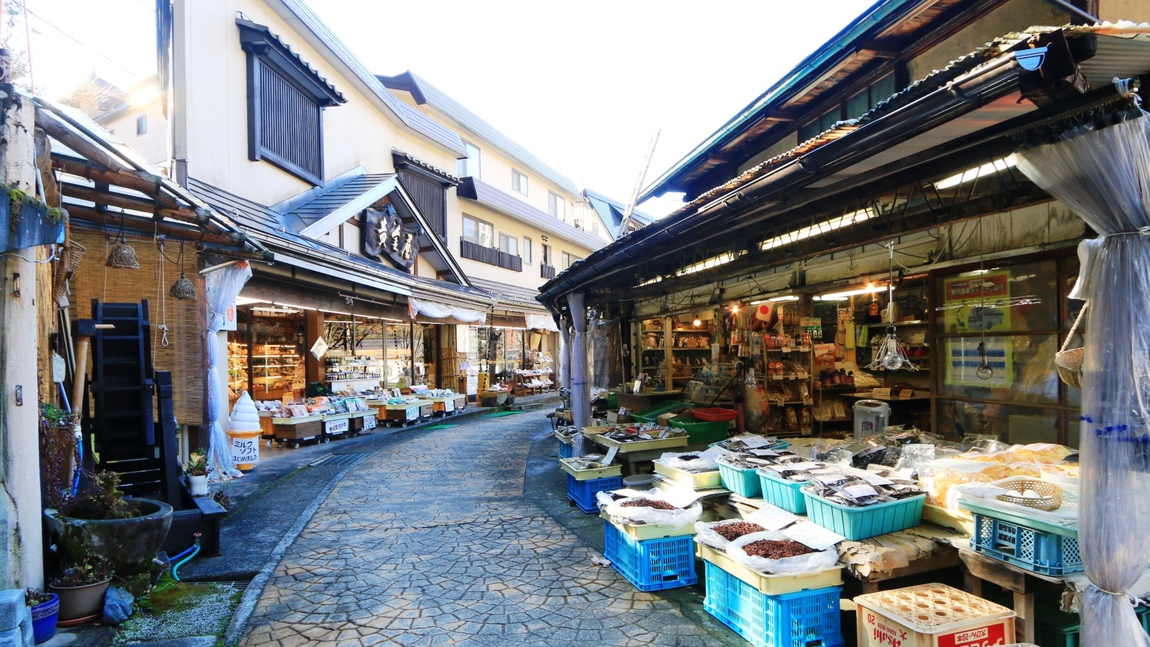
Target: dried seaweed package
x=857, y=493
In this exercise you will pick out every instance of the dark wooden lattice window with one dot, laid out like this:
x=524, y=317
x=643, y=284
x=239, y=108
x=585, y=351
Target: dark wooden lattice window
x=285, y=102
x=429, y=197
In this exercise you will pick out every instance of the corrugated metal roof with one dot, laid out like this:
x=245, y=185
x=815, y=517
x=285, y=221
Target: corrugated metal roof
x=489, y=196
x=409, y=117
x=611, y=212
x=333, y=198
x=424, y=92
x=518, y=294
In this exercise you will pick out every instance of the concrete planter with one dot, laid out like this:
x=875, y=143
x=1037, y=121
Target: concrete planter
x=128, y=545
x=27, y=222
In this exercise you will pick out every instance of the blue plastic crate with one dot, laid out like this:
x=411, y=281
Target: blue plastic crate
x=740, y=481
x=780, y=492
x=869, y=521
x=801, y=619
x=1034, y=550
x=583, y=492
x=651, y=564
x=565, y=450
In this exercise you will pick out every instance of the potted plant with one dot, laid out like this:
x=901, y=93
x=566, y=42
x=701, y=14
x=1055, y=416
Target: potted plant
x=99, y=523
x=45, y=609
x=197, y=471
x=81, y=587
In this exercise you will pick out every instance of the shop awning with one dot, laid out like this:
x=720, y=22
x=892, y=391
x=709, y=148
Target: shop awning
x=418, y=308
x=541, y=322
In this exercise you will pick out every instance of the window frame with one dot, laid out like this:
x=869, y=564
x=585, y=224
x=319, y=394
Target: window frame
x=506, y=236
x=267, y=54
x=547, y=256
x=528, y=251
x=556, y=206
x=519, y=182
x=142, y=125
x=463, y=164
x=479, y=222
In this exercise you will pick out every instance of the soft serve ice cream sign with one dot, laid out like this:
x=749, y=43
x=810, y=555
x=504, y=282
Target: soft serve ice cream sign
x=244, y=430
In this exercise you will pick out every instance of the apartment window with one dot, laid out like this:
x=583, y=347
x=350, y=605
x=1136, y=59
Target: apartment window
x=469, y=166
x=569, y=259
x=548, y=255
x=509, y=244
x=286, y=99
x=555, y=205
x=527, y=250
x=478, y=232
x=518, y=182
x=141, y=125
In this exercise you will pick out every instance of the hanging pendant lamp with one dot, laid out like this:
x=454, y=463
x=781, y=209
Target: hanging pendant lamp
x=182, y=288
x=122, y=256
x=890, y=355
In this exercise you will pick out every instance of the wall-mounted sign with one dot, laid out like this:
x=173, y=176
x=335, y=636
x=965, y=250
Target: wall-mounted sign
x=384, y=236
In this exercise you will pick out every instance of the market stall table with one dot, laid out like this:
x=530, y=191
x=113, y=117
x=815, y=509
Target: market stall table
x=1023, y=583
x=297, y=430
x=646, y=400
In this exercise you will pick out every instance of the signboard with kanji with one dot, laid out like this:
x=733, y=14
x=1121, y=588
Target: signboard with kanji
x=385, y=237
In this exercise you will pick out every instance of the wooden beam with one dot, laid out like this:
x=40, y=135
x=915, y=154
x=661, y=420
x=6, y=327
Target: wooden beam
x=116, y=220
x=135, y=204
x=879, y=49
x=145, y=183
x=55, y=127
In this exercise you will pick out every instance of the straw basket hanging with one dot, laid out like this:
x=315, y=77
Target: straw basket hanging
x=70, y=261
x=1069, y=361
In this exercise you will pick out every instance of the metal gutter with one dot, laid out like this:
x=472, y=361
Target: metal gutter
x=964, y=94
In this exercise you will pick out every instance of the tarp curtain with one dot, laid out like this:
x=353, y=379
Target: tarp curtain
x=541, y=322
x=222, y=288
x=580, y=386
x=1103, y=174
x=416, y=307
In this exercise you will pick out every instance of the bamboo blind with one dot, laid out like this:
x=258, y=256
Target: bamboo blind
x=186, y=320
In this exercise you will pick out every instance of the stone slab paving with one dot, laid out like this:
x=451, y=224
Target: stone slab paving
x=430, y=541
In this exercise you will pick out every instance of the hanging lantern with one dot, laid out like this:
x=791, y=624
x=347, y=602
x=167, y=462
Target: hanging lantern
x=183, y=288
x=122, y=256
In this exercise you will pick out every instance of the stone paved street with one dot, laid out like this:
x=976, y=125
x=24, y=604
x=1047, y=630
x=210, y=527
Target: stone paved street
x=430, y=541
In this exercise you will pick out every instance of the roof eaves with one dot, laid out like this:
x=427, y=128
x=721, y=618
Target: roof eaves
x=807, y=70
x=489, y=196
x=401, y=157
x=418, y=122
x=473, y=123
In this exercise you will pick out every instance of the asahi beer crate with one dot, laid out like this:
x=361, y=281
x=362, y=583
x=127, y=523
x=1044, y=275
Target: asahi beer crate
x=931, y=615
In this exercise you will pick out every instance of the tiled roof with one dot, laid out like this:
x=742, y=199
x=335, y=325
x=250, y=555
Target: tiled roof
x=485, y=194
x=611, y=212
x=401, y=156
x=904, y=97
x=424, y=92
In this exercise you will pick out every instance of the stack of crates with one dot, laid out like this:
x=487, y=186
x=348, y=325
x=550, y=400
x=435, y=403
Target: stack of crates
x=1028, y=543
x=650, y=564
x=584, y=484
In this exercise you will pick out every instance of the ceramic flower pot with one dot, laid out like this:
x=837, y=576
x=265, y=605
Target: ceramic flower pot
x=80, y=602
x=198, y=485
x=44, y=619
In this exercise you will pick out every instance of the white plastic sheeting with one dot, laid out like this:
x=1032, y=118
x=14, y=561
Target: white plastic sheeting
x=580, y=387
x=540, y=322
x=222, y=287
x=1103, y=174
x=416, y=307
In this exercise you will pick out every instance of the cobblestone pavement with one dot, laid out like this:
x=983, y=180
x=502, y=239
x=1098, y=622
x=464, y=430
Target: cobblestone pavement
x=430, y=541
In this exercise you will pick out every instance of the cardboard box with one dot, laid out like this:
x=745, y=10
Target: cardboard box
x=614, y=417
x=665, y=419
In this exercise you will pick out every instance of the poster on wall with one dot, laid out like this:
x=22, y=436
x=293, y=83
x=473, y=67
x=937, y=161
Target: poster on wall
x=973, y=305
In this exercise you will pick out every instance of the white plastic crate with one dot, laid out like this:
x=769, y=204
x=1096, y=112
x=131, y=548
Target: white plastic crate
x=931, y=615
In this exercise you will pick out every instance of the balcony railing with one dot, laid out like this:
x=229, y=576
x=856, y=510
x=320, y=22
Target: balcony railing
x=490, y=255
x=547, y=271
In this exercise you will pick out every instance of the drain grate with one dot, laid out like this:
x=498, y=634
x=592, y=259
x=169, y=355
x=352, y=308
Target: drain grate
x=337, y=460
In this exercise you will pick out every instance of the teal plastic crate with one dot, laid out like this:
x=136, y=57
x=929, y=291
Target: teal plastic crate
x=785, y=494
x=802, y=619
x=869, y=521
x=652, y=414
x=1034, y=550
x=700, y=431
x=651, y=564
x=744, y=482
